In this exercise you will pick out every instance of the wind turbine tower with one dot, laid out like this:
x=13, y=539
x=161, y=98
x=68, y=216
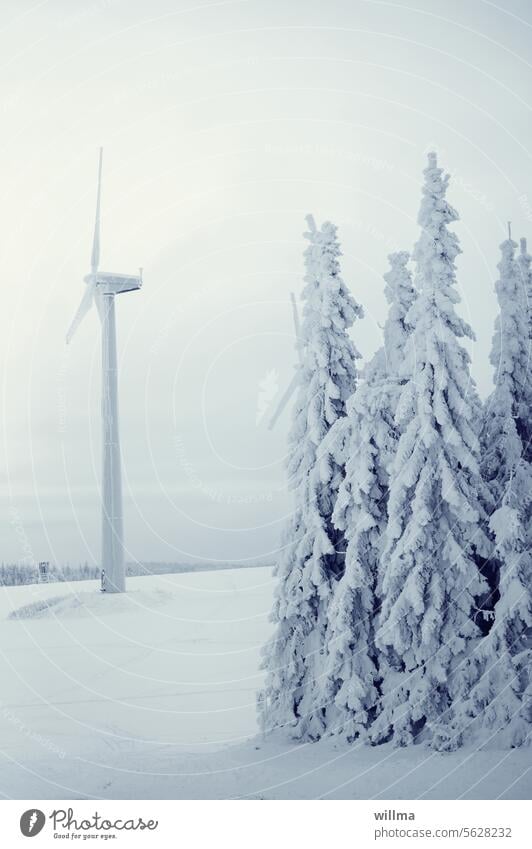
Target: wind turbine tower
x=101, y=289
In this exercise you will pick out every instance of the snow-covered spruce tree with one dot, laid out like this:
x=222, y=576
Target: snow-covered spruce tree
x=312, y=556
x=366, y=445
x=524, y=261
x=506, y=424
x=501, y=701
x=389, y=361
x=430, y=577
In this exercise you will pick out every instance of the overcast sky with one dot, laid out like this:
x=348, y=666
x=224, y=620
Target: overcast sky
x=223, y=124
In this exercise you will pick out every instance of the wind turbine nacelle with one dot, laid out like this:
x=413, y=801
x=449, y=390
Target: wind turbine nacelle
x=114, y=284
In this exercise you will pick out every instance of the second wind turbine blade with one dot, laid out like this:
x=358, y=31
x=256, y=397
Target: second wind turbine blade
x=297, y=326
x=285, y=399
x=82, y=310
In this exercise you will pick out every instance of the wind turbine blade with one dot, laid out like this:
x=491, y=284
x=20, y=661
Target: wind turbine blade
x=95, y=257
x=297, y=326
x=284, y=400
x=83, y=309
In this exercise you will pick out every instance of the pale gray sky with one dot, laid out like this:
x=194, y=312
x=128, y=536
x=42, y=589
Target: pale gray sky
x=223, y=125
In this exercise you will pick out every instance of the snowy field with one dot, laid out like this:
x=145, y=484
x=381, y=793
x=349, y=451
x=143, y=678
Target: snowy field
x=152, y=695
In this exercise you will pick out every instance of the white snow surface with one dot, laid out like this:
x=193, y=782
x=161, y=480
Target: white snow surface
x=152, y=695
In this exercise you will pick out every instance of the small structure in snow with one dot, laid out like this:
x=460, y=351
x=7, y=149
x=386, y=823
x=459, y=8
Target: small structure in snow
x=44, y=572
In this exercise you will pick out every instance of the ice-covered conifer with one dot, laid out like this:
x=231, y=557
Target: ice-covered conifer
x=524, y=262
x=352, y=673
x=434, y=533
x=312, y=557
x=350, y=687
x=501, y=701
x=506, y=427
x=389, y=361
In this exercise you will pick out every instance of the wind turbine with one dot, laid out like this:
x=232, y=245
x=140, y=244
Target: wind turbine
x=102, y=286
x=295, y=380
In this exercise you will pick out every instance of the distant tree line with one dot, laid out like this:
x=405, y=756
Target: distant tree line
x=18, y=574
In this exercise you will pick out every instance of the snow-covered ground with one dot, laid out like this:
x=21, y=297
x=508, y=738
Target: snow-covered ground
x=152, y=695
